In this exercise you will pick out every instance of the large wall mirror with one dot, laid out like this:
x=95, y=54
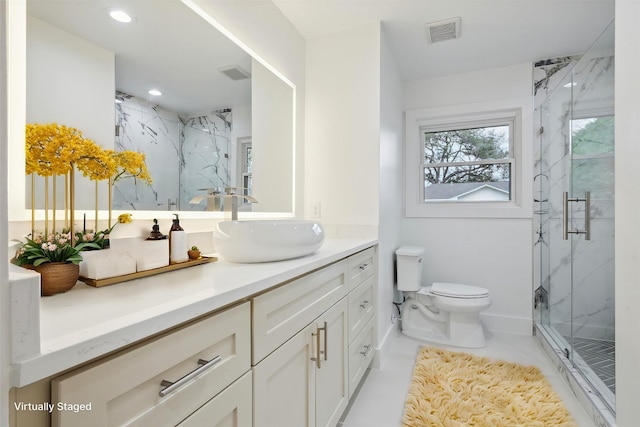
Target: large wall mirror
x=223, y=118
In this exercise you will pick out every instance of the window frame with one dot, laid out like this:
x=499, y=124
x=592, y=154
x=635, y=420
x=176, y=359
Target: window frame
x=519, y=111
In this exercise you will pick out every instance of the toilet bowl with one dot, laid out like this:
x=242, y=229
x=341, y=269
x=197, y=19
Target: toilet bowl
x=443, y=313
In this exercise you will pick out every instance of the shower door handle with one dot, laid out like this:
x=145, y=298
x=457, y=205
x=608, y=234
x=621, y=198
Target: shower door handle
x=587, y=215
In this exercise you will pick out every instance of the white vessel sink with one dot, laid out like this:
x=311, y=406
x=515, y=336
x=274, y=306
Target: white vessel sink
x=267, y=240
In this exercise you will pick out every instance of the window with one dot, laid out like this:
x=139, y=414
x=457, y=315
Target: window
x=592, y=156
x=468, y=160
x=468, y=163
x=245, y=162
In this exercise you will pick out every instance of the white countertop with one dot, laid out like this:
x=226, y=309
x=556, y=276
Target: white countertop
x=86, y=322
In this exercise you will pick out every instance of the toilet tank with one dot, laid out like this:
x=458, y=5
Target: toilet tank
x=409, y=268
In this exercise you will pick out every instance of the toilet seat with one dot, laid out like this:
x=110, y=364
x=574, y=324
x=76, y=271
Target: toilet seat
x=455, y=290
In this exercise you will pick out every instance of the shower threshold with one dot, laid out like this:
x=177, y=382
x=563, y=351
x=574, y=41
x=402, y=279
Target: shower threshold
x=598, y=400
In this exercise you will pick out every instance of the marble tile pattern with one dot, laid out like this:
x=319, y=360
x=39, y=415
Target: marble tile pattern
x=601, y=357
x=576, y=275
x=559, y=262
x=205, y=149
x=182, y=154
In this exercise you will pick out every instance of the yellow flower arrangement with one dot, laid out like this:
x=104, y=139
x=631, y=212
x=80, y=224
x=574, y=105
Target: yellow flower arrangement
x=54, y=149
x=51, y=149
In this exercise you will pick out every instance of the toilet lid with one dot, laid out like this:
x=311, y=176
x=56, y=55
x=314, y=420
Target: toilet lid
x=456, y=290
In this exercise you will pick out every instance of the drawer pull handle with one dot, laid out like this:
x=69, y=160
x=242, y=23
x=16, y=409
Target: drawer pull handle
x=365, y=353
x=319, y=352
x=365, y=303
x=364, y=266
x=170, y=387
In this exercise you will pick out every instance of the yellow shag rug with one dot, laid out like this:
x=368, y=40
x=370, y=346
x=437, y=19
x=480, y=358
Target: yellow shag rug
x=458, y=389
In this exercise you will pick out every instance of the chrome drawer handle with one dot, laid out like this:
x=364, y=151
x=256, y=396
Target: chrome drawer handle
x=364, y=266
x=365, y=303
x=170, y=387
x=366, y=350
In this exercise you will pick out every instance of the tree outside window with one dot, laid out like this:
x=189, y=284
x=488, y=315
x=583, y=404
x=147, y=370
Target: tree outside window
x=470, y=163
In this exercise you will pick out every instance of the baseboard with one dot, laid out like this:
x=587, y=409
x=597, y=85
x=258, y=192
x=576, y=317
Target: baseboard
x=507, y=324
x=384, y=345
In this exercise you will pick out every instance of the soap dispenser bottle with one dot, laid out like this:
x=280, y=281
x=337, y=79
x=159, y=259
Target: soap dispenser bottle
x=177, y=243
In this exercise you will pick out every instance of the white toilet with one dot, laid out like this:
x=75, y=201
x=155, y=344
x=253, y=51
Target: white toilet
x=443, y=313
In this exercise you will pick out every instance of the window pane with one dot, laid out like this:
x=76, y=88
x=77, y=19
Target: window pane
x=472, y=183
x=592, y=136
x=467, y=145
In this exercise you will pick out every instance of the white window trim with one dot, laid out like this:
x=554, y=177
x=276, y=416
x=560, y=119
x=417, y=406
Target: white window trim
x=521, y=204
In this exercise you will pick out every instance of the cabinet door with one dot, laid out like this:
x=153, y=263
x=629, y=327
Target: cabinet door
x=284, y=384
x=231, y=408
x=332, y=378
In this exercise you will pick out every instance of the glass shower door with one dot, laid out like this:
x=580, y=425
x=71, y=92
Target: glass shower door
x=576, y=217
x=592, y=336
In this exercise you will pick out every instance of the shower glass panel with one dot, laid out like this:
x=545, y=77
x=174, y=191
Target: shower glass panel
x=575, y=189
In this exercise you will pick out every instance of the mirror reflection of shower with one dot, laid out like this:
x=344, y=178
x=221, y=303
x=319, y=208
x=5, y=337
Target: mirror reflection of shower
x=182, y=154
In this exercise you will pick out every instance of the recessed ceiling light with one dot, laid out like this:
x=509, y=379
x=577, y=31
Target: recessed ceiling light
x=120, y=16
x=155, y=92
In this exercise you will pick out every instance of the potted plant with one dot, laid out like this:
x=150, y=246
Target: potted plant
x=194, y=252
x=55, y=257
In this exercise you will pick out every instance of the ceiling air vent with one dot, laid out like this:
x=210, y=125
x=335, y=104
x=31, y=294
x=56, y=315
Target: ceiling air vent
x=235, y=72
x=447, y=29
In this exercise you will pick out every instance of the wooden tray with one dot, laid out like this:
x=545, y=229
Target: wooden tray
x=140, y=274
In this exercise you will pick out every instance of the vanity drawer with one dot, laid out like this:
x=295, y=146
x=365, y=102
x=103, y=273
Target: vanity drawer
x=231, y=408
x=282, y=312
x=362, y=303
x=360, y=355
x=361, y=266
x=125, y=389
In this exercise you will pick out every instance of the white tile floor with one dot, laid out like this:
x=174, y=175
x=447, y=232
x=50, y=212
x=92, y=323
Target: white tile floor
x=380, y=400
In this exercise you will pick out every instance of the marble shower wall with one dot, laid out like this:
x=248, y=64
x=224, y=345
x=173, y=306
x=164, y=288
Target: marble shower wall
x=569, y=88
x=182, y=154
x=206, y=143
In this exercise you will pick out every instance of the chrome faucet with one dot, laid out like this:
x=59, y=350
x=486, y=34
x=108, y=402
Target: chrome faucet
x=232, y=201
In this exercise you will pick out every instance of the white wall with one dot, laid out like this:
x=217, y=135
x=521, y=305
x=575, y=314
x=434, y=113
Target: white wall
x=342, y=128
x=391, y=200
x=627, y=207
x=493, y=253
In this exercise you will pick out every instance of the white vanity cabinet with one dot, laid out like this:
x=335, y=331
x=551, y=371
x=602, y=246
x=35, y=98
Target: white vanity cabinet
x=166, y=380
x=287, y=353
x=304, y=377
x=362, y=308
x=302, y=381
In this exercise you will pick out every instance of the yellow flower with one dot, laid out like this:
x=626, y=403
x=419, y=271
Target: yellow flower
x=53, y=149
x=125, y=218
x=131, y=164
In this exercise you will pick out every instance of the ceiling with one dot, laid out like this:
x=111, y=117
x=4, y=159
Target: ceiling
x=156, y=50
x=494, y=33
x=166, y=46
